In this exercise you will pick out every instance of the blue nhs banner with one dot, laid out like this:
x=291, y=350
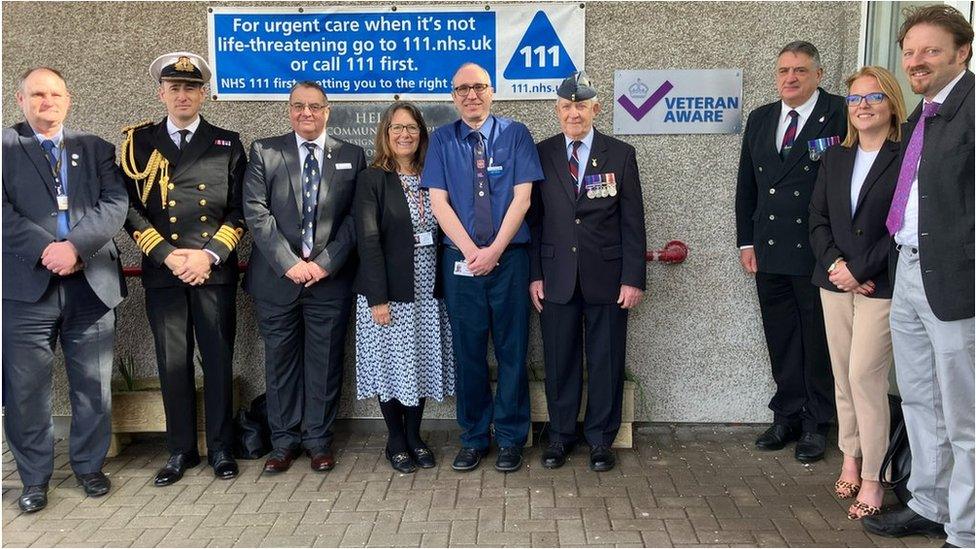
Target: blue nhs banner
x=395, y=52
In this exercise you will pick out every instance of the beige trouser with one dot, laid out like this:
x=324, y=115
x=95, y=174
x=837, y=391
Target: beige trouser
x=859, y=341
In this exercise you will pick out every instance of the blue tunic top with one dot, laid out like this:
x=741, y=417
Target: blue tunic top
x=512, y=158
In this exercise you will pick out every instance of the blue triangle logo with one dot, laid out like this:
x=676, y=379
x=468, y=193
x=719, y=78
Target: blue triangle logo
x=540, y=53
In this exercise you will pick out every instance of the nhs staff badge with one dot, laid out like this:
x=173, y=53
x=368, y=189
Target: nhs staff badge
x=600, y=185
x=818, y=146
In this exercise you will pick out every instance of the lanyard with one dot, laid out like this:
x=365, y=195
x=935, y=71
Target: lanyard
x=56, y=170
x=419, y=199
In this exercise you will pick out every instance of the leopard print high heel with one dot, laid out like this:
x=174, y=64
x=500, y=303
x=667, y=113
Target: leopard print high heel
x=864, y=509
x=846, y=490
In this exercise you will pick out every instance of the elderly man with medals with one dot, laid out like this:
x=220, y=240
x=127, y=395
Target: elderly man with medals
x=184, y=179
x=587, y=271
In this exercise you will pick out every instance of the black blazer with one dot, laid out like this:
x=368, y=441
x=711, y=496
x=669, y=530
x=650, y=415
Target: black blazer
x=273, y=211
x=384, y=237
x=203, y=209
x=97, y=206
x=600, y=242
x=945, y=205
x=862, y=240
x=773, y=196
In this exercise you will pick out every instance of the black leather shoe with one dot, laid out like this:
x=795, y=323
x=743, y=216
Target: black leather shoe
x=901, y=522
x=401, y=462
x=224, y=465
x=509, y=459
x=811, y=447
x=175, y=467
x=947, y=544
x=554, y=456
x=601, y=459
x=423, y=457
x=33, y=498
x=468, y=459
x=776, y=437
x=95, y=484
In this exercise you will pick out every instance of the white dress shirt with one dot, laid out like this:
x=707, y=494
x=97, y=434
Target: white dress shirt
x=174, y=131
x=804, y=111
x=907, y=235
x=303, y=150
x=863, y=160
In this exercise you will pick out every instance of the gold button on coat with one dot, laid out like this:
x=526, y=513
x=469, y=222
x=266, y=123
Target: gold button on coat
x=201, y=186
x=174, y=236
x=203, y=218
x=172, y=220
x=171, y=186
x=172, y=203
x=203, y=201
x=205, y=234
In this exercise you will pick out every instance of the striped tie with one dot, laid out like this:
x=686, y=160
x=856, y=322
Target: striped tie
x=789, y=136
x=574, y=165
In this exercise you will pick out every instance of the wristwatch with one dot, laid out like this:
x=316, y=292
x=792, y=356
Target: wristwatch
x=833, y=265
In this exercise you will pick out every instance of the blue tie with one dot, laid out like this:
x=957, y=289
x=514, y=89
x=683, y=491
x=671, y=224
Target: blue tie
x=48, y=147
x=483, y=227
x=310, y=197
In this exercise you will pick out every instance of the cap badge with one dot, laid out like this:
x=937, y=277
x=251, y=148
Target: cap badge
x=183, y=64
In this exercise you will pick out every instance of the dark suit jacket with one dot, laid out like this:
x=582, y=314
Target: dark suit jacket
x=601, y=242
x=862, y=240
x=209, y=218
x=97, y=205
x=272, y=209
x=384, y=237
x=772, y=196
x=945, y=204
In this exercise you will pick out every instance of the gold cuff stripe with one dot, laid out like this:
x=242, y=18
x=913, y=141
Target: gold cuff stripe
x=228, y=232
x=223, y=240
x=148, y=239
x=152, y=244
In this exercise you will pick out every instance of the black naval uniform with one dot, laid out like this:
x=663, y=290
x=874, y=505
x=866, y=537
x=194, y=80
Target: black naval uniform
x=193, y=201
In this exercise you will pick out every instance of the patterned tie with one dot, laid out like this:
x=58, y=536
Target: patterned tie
x=483, y=227
x=48, y=147
x=789, y=136
x=574, y=165
x=310, y=197
x=909, y=167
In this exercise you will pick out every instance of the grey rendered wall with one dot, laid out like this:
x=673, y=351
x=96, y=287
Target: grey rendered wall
x=696, y=344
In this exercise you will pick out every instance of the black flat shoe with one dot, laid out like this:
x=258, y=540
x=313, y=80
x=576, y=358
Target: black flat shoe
x=554, y=455
x=401, y=461
x=95, y=484
x=776, y=437
x=173, y=470
x=811, y=447
x=509, y=459
x=901, y=522
x=423, y=457
x=602, y=459
x=33, y=498
x=224, y=465
x=468, y=459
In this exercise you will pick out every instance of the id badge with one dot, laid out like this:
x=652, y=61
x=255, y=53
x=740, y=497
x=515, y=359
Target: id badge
x=461, y=269
x=494, y=171
x=423, y=239
x=62, y=203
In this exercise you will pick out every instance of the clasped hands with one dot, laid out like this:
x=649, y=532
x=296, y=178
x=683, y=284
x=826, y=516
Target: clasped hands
x=61, y=258
x=306, y=273
x=844, y=280
x=629, y=297
x=482, y=261
x=190, y=266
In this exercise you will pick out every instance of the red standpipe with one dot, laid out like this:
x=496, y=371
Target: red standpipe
x=673, y=252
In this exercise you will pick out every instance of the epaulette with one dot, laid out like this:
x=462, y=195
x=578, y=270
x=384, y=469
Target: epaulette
x=127, y=129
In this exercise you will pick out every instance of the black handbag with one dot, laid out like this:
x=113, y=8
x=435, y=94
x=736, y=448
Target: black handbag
x=252, y=433
x=897, y=463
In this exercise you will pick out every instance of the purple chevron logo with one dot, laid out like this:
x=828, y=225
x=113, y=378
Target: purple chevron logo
x=639, y=112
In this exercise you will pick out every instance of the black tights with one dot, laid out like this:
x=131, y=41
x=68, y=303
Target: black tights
x=403, y=424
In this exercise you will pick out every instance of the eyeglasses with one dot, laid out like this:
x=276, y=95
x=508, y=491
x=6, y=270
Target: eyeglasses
x=875, y=98
x=300, y=107
x=464, y=89
x=397, y=129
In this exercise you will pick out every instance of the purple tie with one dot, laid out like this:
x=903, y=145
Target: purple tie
x=790, y=135
x=909, y=167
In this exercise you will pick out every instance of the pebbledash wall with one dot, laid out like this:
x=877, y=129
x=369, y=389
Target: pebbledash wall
x=695, y=345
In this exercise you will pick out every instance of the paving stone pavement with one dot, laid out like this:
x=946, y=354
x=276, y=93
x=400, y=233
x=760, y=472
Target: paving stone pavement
x=681, y=486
